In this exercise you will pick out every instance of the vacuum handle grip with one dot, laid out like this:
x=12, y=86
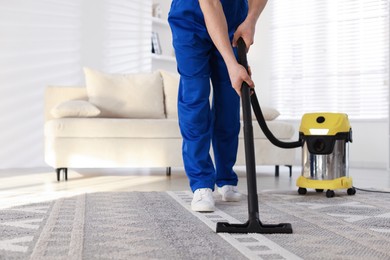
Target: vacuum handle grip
x=242, y=59
x=241, y=51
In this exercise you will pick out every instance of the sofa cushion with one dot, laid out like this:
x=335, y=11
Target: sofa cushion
x=126, y=95
x=113, y=128
x=171, y=88
x=138, y=128
x=75, y=108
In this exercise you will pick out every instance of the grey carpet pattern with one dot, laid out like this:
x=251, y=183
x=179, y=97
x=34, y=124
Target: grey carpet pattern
x=155, y=225
x=343, y=227
x=133, y=225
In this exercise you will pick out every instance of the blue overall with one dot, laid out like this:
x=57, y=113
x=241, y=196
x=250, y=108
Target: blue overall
x=198, y=61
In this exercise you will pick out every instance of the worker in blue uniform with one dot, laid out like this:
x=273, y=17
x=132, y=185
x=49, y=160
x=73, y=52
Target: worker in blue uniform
x=205, y=33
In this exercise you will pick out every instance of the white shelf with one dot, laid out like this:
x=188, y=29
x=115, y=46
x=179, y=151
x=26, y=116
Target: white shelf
x=166, y=60
x=163, y=57
x=160, y=21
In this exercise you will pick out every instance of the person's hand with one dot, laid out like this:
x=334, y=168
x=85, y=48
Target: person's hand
x=238, y=75
x=246, y=30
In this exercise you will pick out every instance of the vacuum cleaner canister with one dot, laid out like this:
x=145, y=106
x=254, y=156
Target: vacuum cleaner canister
x=325, y=139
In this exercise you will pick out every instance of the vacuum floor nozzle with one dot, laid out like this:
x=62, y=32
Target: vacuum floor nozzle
x=254, y=226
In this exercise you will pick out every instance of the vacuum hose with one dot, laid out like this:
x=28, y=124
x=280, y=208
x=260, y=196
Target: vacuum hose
x=242, y=59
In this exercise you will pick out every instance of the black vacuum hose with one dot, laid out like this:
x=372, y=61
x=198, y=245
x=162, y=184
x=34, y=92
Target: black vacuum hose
x=242, y=59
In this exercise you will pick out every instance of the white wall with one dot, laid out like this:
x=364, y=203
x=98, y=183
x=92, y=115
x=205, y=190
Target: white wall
x=47, y=42
x=116, y=35
x=258, y=58
x=370, y=147
x=38, y=46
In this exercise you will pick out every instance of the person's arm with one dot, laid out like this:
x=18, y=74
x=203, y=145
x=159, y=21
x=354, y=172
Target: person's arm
x=218, y=30
x=246, y=30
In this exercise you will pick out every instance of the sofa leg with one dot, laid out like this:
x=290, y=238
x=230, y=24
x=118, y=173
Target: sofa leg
x=290, y=169
x=64, y=170
x=58, y=171
x=168, y=171
x=277, y=170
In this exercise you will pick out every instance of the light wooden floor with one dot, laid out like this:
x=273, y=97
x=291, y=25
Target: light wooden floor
x=26, y=186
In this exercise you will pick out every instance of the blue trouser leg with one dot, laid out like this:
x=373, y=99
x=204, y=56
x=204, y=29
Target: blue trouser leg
x=195, y=122
x=198, y=60
x=198, y=125
x=192, y=49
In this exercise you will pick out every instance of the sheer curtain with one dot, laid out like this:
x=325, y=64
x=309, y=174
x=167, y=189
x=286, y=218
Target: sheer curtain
x=331, y=56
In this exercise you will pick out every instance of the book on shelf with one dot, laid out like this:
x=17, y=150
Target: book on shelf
x=156, y=46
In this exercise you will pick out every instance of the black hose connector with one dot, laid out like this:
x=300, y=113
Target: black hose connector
x=242, y=59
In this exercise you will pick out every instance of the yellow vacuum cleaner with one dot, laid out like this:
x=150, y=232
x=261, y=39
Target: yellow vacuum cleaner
x=325, y=139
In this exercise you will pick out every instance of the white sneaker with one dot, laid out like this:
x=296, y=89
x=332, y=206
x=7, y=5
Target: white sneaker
x=203, y=200
x=229, y=193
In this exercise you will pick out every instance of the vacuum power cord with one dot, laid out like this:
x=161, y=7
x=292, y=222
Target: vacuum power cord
x=375, y=191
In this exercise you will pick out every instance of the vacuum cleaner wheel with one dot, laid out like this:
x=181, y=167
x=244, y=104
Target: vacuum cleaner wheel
x=330, y=193
x=302, y=191
x=351, y=191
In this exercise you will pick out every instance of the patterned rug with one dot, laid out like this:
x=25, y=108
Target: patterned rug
x=160, y=225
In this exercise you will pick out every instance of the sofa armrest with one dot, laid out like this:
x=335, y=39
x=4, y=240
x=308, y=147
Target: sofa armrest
x=55, y=95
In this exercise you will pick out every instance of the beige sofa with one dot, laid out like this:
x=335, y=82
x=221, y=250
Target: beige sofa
x=80, y=132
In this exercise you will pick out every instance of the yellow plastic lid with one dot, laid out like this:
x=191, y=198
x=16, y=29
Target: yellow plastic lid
x=324, y=124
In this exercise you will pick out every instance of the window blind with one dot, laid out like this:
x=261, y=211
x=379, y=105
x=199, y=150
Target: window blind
x=330, y=56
